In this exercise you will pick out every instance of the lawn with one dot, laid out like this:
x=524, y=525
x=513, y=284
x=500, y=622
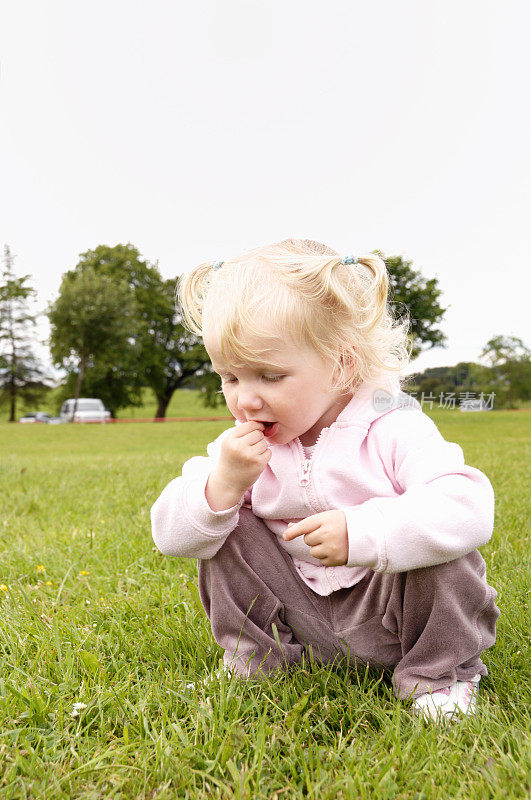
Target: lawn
x=91, y=613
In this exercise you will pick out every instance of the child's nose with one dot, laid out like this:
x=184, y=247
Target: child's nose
x=248, y=400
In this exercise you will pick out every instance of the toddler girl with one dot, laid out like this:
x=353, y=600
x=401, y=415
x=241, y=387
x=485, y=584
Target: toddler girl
x=332, y=517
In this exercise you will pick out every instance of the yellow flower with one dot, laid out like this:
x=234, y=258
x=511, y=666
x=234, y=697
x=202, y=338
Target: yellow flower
x=41, y=568
x=48, y=583
x=84, y=572
x=3, y=587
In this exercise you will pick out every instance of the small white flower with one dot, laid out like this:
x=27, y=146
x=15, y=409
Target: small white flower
x=79, y=706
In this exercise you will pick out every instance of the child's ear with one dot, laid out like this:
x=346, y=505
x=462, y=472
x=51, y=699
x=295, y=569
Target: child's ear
x=348, y=360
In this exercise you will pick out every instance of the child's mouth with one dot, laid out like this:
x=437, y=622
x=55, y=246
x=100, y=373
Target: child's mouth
x=270, y=429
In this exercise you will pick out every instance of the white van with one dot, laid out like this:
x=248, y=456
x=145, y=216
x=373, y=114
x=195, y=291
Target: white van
x=88, y=409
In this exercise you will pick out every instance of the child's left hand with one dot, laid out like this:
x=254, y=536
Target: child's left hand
x=326, y=533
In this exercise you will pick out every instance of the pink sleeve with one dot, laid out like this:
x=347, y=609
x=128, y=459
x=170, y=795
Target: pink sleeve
x=182, y=522
x=445, y=509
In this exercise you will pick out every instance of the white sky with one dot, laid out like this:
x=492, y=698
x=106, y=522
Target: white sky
x=198, y=129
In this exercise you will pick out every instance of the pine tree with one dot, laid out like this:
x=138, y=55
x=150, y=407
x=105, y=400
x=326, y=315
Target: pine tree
x=21, y=373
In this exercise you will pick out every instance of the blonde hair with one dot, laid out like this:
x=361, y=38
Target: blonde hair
x=339, y=310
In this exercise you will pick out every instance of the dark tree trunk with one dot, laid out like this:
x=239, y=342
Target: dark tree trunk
x=13, y=391
x=163, y=403
x=164, y=399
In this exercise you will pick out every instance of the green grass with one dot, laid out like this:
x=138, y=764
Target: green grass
x=90, y=612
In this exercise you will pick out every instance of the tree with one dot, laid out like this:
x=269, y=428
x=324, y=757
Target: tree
x=507, y=374
x=509, y=360
x=21, y=373
x=407, y=287
x=162, y=354
x=178, y=358
x=466, y=376
x=90, y=321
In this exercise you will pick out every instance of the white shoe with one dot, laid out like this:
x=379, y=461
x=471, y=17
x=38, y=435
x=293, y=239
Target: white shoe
x=229, y=669
x=445, y=704
x=208, y=679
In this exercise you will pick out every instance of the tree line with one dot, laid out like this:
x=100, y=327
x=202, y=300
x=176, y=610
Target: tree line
x=507, y=378
x=115, y=330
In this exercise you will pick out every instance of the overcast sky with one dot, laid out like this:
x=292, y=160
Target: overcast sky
x=198, y=129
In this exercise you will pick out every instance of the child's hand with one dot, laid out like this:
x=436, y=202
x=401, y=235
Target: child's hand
x=326, y=533
x=244, y=456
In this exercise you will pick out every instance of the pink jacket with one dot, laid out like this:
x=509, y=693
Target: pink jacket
x=409, y=499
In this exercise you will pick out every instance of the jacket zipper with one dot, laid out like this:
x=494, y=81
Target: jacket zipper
x=307, y=464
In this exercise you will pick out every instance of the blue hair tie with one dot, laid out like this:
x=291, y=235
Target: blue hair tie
x=349, y=260
x=217, y=265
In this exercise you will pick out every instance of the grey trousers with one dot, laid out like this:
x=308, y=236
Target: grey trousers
x=429, y=625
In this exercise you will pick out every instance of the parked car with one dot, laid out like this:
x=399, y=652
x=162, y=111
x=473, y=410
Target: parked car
x=474, y=405
x=36, y=416
x=89, y=409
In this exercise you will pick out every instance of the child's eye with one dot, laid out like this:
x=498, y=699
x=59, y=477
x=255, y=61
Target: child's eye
x=269, y=378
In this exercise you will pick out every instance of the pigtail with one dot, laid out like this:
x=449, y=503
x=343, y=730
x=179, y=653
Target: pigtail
x=190, y=294
x=374, y=281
